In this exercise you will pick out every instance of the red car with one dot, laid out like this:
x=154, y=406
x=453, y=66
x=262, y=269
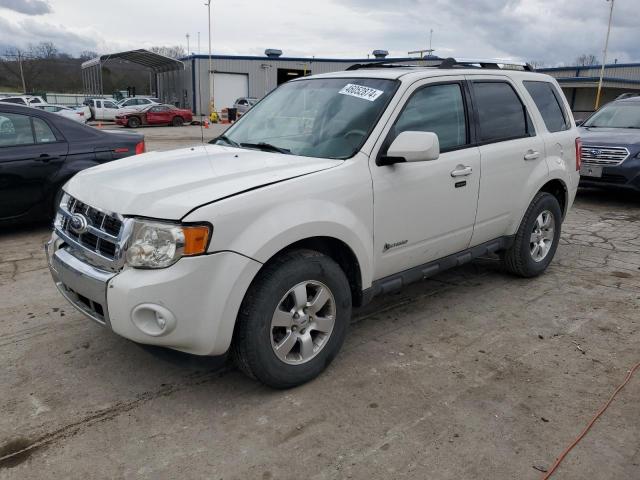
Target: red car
x=156, y=115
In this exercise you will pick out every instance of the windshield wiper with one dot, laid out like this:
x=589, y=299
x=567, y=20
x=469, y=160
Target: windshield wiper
x=226, y=139
x=266, y=147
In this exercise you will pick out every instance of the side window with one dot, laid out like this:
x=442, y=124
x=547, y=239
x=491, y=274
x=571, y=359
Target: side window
x=143, y=101
x=502, y=116
x=109, y=105
x=438, y=109
x=549, y=104
x=155, y=110
x=42, y=131
x=15, y=130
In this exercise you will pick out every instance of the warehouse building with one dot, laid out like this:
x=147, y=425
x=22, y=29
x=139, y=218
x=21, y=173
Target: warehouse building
x=246, y=76
x=580, y=84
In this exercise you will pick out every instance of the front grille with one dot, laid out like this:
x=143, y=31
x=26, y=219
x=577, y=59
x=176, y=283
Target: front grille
x=103, y=231
x=607, y=156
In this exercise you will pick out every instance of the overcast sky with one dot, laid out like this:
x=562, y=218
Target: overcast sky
x=552, y=31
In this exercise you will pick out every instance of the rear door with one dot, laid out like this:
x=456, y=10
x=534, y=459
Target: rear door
x=512, y=155
x=158, y=115
x=31, y=153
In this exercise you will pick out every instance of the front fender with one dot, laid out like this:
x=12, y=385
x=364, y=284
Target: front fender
x=336, y=203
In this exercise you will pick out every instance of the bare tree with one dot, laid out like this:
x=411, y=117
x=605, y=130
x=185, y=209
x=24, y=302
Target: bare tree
x=585, y=60
x=175, y=51
x=537, y=64
x=87, y=55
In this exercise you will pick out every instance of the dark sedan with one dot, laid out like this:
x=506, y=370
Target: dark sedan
x=611, y=146
x=40, y=151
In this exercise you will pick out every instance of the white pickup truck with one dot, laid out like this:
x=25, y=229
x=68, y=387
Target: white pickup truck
x=333, y=189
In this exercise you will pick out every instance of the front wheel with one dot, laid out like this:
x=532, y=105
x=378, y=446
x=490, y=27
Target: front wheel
x=177, y=121
x=293, y=320
x=133, y=122
x=537, y=238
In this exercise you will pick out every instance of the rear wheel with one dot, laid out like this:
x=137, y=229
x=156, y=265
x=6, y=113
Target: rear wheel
x=133, y=122
x=177, y=121
x=537, y=238
x=293, y=320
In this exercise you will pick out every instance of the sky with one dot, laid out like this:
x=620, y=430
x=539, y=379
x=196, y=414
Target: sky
x=551, y=32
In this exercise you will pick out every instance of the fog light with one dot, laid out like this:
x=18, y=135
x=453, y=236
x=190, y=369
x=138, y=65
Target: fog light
x=153, y=320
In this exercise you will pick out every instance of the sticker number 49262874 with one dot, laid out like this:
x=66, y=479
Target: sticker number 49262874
x=359, y=91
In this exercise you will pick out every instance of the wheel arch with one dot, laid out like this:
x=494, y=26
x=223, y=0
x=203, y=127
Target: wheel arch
x=557, y=188
x=339, y=252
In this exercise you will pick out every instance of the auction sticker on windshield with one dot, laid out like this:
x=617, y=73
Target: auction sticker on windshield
x=358, y=91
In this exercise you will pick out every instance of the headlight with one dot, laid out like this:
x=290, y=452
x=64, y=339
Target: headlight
x=160, y=245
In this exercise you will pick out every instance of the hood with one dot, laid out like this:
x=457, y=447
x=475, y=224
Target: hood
x=610, y=136
x=167, y=185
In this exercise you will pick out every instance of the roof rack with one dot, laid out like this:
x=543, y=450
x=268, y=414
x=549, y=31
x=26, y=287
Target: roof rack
x=494, y=64
x=391, y=64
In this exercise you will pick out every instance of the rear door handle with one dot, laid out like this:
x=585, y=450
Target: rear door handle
x=532, y=155
x=45, y=157
x=462, y=171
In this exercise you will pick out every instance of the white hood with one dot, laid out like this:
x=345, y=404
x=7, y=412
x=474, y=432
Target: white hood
x=167, y=185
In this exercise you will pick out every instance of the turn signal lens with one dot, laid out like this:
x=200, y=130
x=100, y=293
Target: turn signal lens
x=196, y=239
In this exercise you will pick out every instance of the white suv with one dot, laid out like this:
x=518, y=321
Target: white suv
x=333, y=189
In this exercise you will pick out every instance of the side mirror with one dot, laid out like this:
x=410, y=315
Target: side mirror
x=413, y=147
x=579, y=122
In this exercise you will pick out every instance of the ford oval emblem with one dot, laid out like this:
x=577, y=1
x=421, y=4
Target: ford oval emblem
x=78, y=223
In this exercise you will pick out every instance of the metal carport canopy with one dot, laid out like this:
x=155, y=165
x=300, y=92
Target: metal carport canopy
x=154, y=61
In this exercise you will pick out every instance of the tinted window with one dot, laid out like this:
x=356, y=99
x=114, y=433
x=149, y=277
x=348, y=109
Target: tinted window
x=14, y=100
x=438, y=109
x=110, y=105
x=15, y=130
x=546, y=99
x=42, y=131
x=502, y=115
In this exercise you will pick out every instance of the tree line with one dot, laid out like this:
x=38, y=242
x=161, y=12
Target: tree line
x=43, y=67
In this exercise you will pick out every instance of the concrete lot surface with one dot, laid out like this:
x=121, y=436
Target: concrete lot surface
x=473, y=374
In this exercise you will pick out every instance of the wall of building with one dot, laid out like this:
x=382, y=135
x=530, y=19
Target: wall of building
x=192, y=88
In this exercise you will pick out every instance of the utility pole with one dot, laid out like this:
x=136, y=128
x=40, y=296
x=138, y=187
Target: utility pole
x=188, y=49
x=604, y=55
x=429, y=51
x=198, y=43
x=211, y=103
x=24, y=87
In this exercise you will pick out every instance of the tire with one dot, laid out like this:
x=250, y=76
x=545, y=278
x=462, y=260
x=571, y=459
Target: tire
x=133, y=122
x=271, y=297
x=177, y=122
x=523, y=258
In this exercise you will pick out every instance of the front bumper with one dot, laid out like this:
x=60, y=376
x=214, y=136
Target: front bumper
x=625, y=176
x=201, y=294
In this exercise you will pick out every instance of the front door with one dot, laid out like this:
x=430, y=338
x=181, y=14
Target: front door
x=426, y=210
x=30, y=155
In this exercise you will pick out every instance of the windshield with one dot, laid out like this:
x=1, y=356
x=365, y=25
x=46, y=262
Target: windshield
x=616, y=115
x=326, y=118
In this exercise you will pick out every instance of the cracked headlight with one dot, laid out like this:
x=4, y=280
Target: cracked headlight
x=160, y=245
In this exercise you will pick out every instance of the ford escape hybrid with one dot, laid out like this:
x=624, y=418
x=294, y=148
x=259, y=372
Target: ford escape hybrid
x=331, y=190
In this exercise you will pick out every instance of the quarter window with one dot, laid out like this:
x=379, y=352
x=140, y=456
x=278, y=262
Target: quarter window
x=546, y=99
x=42, y=131
x=502, y=115
x=438, y=109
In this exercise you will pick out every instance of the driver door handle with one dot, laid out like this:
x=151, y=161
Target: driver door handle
x=532, y=155
x=462, y=171
x=45, y=157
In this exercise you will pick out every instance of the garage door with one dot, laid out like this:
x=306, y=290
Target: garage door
x=227, y=87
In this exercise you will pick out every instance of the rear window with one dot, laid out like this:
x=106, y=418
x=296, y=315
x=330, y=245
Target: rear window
x=502, y=116
x=549, y=104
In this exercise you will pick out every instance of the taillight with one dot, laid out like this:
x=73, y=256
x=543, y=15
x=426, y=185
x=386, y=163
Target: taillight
x=140, y=148
x=578, y=153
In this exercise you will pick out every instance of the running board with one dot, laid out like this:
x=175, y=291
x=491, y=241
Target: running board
x=399, y=280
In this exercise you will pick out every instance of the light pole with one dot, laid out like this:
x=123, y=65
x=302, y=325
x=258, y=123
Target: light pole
x=188, y=50
x=604, y=56
x=211, y=103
